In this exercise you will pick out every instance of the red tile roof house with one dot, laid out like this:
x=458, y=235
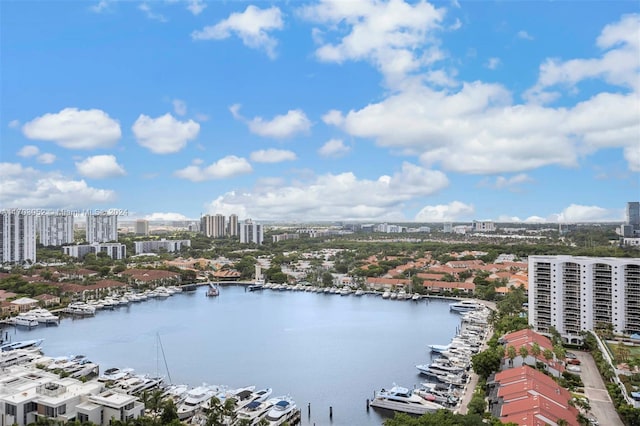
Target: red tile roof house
x=529, y=397
x=527, y=338
x=80, y=289
x=154, y=277
x=48, y=300
x=387, y=283
x=442, y=286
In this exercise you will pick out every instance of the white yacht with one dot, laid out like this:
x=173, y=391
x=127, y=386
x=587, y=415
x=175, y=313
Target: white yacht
x=403, y=400
x=195, y=397
x=25, y=320
x=359, y=292
x=282, y=408
x=253, y=412
x=386, y=294
x=465, y=306
x=80, y=308
x=44, y=316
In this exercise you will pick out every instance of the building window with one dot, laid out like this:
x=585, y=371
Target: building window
x=10, y=410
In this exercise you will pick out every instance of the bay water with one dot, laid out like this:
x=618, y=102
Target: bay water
x=324, y=350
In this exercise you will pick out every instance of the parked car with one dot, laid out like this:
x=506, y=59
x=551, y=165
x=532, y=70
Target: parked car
x=573, y=368
x=573, y=361
x=571, y=355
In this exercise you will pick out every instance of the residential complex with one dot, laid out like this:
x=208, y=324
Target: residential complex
x=214, y=226
x=575, y=294
x=251, y=232
x=232, y=226
x=102, y=228
x=170, y=246
x=115, y=251
x=18, y=235
x=142, y=227
x=55, y=230
x=29, y=394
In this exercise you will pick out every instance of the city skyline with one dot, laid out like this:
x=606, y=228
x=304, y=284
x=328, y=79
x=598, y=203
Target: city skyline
x=319, y=111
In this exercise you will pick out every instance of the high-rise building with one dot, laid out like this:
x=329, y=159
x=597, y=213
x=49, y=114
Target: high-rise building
x=633, y=214
x=142, y=227
x=251, y=232
x=55, y=230
x=232, y=226
x=18, y=235
x=576, y=293
x=102, y=228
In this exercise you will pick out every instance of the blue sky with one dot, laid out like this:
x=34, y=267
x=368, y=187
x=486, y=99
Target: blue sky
x=327, y=110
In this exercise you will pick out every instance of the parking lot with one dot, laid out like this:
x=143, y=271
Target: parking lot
x=601, y=406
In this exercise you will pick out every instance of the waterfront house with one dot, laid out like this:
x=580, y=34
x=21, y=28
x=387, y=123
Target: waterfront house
x=387, y=283
x=104, y=408
x=48, y=300
x=442, y=286
x=25, y=304
x=152, y=277
x=7, y=308
x=4, y=295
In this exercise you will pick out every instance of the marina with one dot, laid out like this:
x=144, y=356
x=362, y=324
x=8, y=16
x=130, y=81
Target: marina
x=302, y=344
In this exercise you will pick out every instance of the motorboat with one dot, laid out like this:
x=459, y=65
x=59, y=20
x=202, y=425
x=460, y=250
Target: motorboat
x=465, y=306
x=404, y=400
x=438, y=349
x=251, y=413
x=359, y=292
x=195, y=397
x=256, y=286
x=23, y=344
x=282, y=408
x=213, y=290
x=25, y=320
x=43, y=316
x=416, y=297
x=79, y=308
x=114, y=374
x=345, y=291
x=263, y=394
x=386, y=294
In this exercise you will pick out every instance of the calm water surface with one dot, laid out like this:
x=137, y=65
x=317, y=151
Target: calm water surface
x=323, y=350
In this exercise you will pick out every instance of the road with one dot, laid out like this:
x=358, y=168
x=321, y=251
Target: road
x=601, y=405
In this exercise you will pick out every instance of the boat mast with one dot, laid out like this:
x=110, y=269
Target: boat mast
x=166, y=366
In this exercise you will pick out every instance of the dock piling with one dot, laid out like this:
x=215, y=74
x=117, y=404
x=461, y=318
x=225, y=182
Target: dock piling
x=309, y=409
x=330, y=412
x=367, y=405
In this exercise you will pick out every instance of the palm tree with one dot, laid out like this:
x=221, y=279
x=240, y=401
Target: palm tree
x=511, y=353
x=215, y=416
x=547, y=354
x=535, y=350
x=523, y=352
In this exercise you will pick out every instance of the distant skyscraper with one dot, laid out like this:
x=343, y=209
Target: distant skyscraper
x=142, y=227
x=633, y=214
x=55, y=230
x=232, y=226
x=219, y=226
x=102, y=228
x=251, y=232
x=18, y=235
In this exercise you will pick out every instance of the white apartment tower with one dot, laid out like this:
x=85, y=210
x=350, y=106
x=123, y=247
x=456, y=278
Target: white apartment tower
x=251, y=232
x=18, y=235
x=102, y=228
x=576, y=293
x=633, y=214
x=55, y=230
x=142, y=227
x=232, y=226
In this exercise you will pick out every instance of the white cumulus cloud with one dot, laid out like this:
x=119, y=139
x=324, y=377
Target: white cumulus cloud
x=581, y=213
x=165, y=134
x=25, y=187
x=252, y=26
x=272, y=156
x=196, y=6
x=75, y=129
x=334, y=148
x=46, y=158
x=334, y=196
x=284, y=126
x=396, y=36
x=164, y=216
x=226, y=167
x=454, y=211
x=100, y=167
x=28, y=151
